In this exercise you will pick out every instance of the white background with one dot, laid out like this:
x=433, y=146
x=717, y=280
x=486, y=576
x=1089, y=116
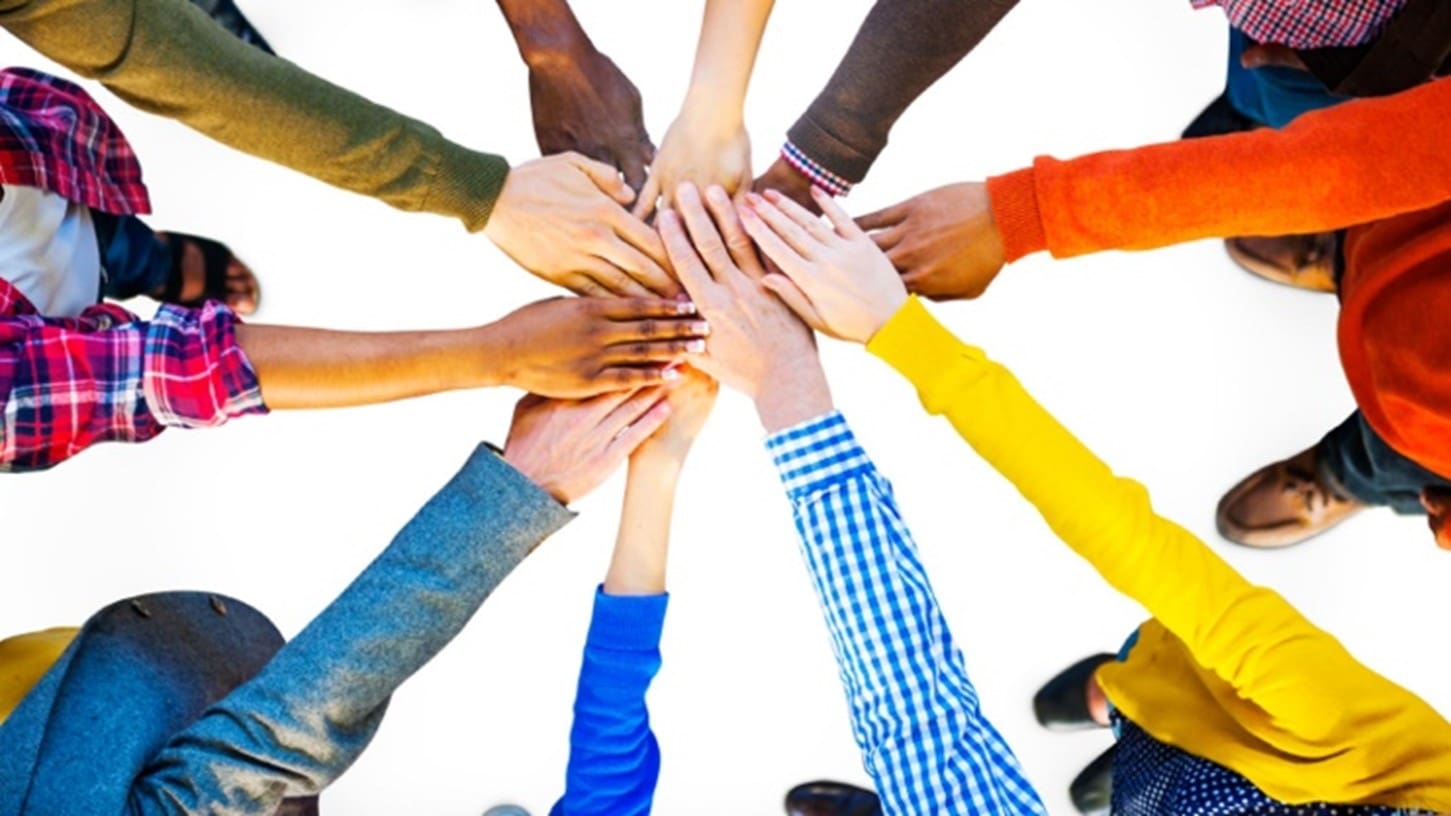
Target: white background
x=1175, y=366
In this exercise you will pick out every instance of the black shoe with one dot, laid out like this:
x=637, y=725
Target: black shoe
x=1062, y=704
x=824, y=798
x=1092, y=791
x=228, y=16
x=1218, y=119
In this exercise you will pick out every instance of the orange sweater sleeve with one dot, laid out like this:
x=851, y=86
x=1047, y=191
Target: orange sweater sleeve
x=1360, y=161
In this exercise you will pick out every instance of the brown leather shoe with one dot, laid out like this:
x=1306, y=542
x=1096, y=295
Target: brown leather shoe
x=1302, y=261
x=1283, y=504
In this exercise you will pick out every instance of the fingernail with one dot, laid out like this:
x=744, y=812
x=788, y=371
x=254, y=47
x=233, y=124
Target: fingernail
x=695, y=346
x=701, y=327
x=670, y=374
x=754, y=198
x=773, y=195
x=717, y=192
x=685, y=307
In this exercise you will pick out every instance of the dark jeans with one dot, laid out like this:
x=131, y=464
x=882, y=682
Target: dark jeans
x=1372, y=471
x=133, y=260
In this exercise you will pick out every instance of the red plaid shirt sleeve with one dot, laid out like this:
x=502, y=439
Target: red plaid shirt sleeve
x=108, y=376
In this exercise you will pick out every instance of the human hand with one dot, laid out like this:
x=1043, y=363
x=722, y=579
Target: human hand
x=574, y=347
x=1437, y=502
x=752, y=332
x=583, y=102
x=834, y=278
x=690, y=402
x=563, y=218
x=569, y=447
x=702, y=148
x=788, y=181
x=945, y=242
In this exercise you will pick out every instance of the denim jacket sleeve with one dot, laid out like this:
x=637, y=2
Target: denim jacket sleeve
x=305, y=718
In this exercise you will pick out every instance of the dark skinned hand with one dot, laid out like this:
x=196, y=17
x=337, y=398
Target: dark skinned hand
x=945, y=242
x=789, y=182
x=585, y=103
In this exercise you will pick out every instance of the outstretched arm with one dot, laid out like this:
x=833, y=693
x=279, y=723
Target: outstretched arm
x=614, y=760
x=903, y=47
x=914, y=711
x=1254, y=640
x=707, y=143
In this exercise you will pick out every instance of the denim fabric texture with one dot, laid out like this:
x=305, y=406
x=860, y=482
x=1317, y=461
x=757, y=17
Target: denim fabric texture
x=1372, y=471
x=305, y=717
x=1272, y=96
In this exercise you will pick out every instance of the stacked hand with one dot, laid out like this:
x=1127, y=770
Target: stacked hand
x=584, y=103
x=945, y=242
x=579, y=347
x=788, y=181
x=564, y=219
x=702, y=147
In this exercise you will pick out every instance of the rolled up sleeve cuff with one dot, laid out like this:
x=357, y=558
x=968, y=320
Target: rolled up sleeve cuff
x=195, y=374
x=816, y=454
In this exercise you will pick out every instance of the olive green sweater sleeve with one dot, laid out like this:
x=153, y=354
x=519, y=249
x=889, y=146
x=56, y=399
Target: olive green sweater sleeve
x=169, y=58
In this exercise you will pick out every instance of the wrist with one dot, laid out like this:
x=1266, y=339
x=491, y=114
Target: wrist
x=656, y=467
x=548, y=35
x=791, y=395
x=487, y=357
x=710, y=109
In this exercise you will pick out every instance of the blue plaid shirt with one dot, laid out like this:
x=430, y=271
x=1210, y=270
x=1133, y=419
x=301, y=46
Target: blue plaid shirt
x=914, y=711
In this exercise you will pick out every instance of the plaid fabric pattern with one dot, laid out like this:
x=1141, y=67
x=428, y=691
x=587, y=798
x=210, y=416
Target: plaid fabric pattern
x=107, y=376
x=819, y=175
x=914, y=711
x=1301, y=24
x=55, y=137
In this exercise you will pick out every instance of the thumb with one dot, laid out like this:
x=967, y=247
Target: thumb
x=606, y=178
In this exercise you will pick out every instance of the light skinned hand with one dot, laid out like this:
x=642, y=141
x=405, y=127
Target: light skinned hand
x=583, y=102
x=945, y=242
x=755, y=340
x=832, y=275
x=701, y=149
x=690, y=403
x=569, y=447
x=578, y=347
x=563, y=218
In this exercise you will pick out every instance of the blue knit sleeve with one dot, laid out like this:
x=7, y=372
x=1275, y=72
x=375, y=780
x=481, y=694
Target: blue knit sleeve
x=614, y=760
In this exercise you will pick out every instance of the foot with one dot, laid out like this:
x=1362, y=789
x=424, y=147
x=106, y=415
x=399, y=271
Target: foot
x=243, y=289
x=1073, y=701
x=832, y=799
x=1283, y=504
x=1302, y=261
x=1092, y=791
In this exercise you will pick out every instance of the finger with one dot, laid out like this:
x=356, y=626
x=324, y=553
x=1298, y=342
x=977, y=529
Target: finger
x=803, y=217
x=693, y=274
x=888, y=238
x=651, y=352
x=845, y=226
x=625, y=380
x=636, y=331
x=703, y=233
x=605, y=177
x=738, y=244
x=613, y=280
x=586, y=286
x=632, y=435
x=883, y=218
x=646, y=278
x=638, y=235
x=634, y=164
x=632, y=408
x=796, y=300
x=645, y=203
x=629, y=309
x=778, y=251
x=787, y=229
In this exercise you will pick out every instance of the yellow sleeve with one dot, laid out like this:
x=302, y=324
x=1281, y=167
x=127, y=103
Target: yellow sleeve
x=169, y=58
x=1248, y=636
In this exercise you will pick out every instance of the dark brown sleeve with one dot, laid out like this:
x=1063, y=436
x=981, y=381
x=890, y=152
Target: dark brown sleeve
x=901, y=49
x=1414, y=48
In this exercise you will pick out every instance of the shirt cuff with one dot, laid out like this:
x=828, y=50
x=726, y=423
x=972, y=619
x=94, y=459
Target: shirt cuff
x=816, y=454
x=195, y=375
x=814, y=171
x=627, y=622
x=1014, y=199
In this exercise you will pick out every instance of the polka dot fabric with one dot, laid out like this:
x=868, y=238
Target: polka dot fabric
x=1154, y=779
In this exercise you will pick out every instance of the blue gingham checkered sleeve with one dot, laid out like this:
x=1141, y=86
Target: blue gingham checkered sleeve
x=915, y=713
